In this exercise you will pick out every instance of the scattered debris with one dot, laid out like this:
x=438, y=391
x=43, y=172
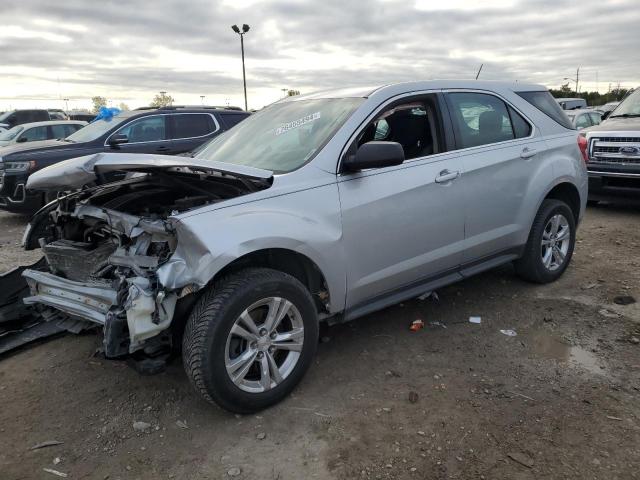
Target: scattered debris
x=386, y=409
x=432, y=295
x=322, y=415
x=261, y=436
x=416, y=325
x=413, y=397
x=624, y=300
x=182, y=424
x=608, y=314
x=437, y=324
x=55, y=472
x=610, y=417
x=392, y=373
x=421, y=433
x=509, y=333
x=234, y=471
x=141, y=426
x=56, y=460
x=521, y=395
x=634, y=340
x=48, y=443
x=590, y=286
x=521, y=458
x=475, y=319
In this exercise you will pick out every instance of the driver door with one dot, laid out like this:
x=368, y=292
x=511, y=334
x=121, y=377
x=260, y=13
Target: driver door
x=403, y=226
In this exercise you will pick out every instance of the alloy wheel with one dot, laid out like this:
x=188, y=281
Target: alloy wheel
x=556, y=239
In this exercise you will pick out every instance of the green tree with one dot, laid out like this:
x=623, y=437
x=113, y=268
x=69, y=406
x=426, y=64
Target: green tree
x=124, y=107
x=97, y=103
x=293, y=93
x=161, y=100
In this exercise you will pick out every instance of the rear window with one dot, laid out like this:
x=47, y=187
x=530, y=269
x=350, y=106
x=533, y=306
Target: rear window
x=544, y=102
x=189, y=125
x=231, y=119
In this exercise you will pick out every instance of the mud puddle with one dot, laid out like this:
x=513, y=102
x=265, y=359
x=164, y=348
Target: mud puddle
x=548, y=346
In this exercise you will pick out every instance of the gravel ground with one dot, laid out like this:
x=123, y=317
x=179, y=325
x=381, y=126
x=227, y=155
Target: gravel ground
x=455, y=400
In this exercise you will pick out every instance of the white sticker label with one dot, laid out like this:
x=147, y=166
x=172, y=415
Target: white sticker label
x=297, y=123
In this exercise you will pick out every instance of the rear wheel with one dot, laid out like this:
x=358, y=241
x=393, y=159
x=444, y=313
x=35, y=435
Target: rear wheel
x=550, y=245
x=250, y=339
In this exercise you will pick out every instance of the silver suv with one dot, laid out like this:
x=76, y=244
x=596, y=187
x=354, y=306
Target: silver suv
x=319, y=208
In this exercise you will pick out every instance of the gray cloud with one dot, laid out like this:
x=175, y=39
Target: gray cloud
x=541, y=41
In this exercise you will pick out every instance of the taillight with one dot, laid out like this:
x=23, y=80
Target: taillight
x=583, y=144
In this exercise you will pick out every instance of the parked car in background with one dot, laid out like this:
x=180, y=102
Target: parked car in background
x=81, y=115
x=57, y=114
x=323, y=207
x=166, y=131
x=37, y=131
x=572, y=103
x=583, y=118
x=607, y=108
x=18, y=117
x=613, y=152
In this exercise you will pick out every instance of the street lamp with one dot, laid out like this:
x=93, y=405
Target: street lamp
x=66, y=103
x=202, y=99
x=245, y=29
x=576, y=81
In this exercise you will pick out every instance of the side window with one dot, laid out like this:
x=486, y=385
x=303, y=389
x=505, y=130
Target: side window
x=412, y=125
x=59, y=131
x=480, y=119
x=521, y=128
x=596, y=119
x=232, y=119
x=148, y=129
x=187, y=125
x=34, y=134
x=583, y=121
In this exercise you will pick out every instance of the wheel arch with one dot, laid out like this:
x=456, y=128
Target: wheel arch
x=568, y=193
x=288, y=261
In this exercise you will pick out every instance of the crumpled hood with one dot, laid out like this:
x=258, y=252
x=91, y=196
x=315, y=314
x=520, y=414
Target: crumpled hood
x=76, y=172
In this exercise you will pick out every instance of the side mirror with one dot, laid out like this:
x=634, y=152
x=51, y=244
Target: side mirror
x=606, y=114
x=22, y=140
x=375, y=155
x=118, y=139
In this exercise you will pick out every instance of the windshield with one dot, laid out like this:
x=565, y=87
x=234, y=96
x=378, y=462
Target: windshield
x=96, y=129
x=282, y=137
x=10, y=134
x=4, y=116
x=630, y=107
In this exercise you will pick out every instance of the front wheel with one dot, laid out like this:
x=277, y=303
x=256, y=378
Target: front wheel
x=550, y=245
x=250, y=339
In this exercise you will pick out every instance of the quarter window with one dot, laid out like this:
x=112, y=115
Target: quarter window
x=63, y=131
x=481, y=119
x=188, y=125
x=595, y=118
x=148, y=129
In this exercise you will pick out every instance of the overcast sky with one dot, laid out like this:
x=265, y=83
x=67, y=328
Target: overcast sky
x=128, y=51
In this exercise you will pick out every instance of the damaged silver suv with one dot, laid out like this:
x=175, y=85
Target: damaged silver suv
x=319, y=208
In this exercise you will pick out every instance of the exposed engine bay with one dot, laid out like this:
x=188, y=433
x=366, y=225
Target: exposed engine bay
x=104, y=245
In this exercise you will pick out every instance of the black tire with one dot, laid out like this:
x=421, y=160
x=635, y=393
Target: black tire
x=530, y=266
x=209, y=325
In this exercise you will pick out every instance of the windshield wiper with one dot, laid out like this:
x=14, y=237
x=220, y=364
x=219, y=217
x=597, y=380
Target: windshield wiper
x=626, y=115
x=66, y=140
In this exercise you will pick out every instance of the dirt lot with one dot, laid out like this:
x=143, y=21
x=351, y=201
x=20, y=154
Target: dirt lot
x=559, y=400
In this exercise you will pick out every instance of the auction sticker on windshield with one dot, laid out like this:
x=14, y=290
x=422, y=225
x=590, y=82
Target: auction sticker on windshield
x=297, y=123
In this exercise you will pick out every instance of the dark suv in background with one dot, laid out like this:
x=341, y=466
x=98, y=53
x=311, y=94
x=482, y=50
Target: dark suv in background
x=17, y=117
x=168, y=130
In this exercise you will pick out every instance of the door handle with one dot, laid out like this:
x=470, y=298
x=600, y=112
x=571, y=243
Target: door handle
x=528, y=152
x=446, y=176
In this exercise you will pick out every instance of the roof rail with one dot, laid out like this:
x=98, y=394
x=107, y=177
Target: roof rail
x=195, y=107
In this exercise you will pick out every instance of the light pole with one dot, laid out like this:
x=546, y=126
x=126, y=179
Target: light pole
x=245, y=29
x=202, y=100
x=66, y=103
x=577, y=80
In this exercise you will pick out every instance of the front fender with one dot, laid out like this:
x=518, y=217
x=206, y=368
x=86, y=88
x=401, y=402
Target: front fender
x=307, y=222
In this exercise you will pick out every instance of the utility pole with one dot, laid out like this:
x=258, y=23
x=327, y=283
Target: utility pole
x=577, y=80
x=202, y=100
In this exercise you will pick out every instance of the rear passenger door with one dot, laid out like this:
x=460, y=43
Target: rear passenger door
x=500, y=151
x=190, y=130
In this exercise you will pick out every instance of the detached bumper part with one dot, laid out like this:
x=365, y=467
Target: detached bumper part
x=143, y=312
